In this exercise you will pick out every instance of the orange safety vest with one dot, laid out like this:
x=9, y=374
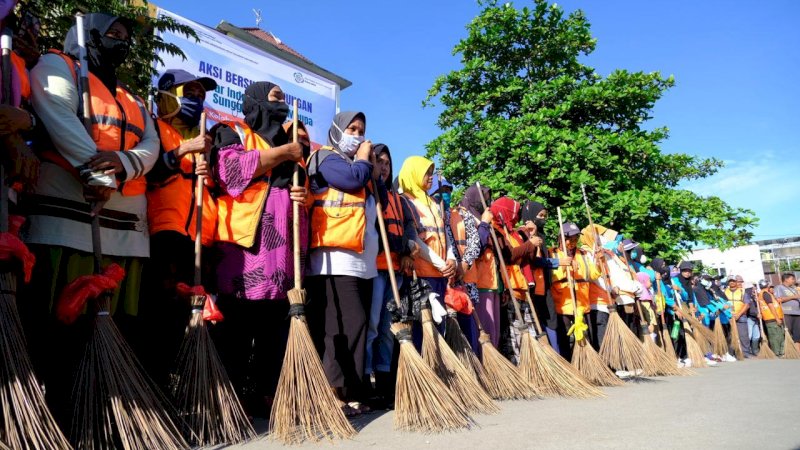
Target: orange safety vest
x=338, y=219
x=483, y=272
x=766, y=313
x=519, y=284
x=598, y=294
x=393, y=219
x=22, y=74
x=430, y=229
x=737, y=298
x=171, y=204
x=582, y=277
x=118, y=123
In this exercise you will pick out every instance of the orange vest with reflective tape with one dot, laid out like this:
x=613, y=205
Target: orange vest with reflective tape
x=393, y=219
x=518, y=281
x=338, y=219
x=118, y=123
x=766, y=313
x=171, y=204
x=560, y=286
x=238, y=217
x=430, y=229
x=484, y=270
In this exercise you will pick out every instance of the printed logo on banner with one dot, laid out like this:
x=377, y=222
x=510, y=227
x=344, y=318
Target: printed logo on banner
x=298, y=77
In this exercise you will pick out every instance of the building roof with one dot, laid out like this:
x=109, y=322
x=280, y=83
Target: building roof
x=267, y=42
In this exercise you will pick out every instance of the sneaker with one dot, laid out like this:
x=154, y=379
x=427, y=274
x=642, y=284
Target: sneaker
x=687, y=362
x=623, y=374
x=711, y=362
x=729, y=358
x=681, y=365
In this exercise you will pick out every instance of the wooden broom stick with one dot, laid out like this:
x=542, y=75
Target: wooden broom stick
x=298, y=279
x=198, y=204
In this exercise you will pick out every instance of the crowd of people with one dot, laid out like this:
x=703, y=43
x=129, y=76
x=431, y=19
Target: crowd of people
x=137, y=172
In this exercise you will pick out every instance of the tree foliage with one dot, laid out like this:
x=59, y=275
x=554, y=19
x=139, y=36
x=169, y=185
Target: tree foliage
x=525, y=116
x=57, y=16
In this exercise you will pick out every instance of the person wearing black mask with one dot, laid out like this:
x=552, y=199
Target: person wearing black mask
x=539, y=270
x=172, y=214
x=103, y=169
x=253, y=164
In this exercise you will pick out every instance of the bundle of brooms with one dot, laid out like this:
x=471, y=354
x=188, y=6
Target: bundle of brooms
x=201, y=389
x=720, y=342
x=305, y=407
x=584, y=357
x=504, y=382
x=423, y=403
x=789, y=349
x=26, y=420
x=701, y=333
x=659, y=363
x=546, y=371
x=738, y=352
x=764, y=351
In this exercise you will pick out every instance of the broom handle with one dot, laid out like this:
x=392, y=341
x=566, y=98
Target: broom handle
x=760, y=317
x=603, y=262
x=386, y=252
x=7, y=100
x=298, y=279
x=568, y=269
x=198, y=204
x=638, y=302
x=499, y=256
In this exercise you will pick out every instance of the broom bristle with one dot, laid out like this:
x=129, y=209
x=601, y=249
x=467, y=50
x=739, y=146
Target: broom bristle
x=423, y=403
x=445, y=363
x=669, y=348
x=116, y=404
x=789, y=349
x=720, y=342
x=621, y=349
x=551, y=374
x=27, y=423
x=504, y=381
x=203, y=393
x=735, y=342
x=660, y=364
x=764, y=352
x=305, y=407
x=456, y=340
x=591, y=366
x=693, y=350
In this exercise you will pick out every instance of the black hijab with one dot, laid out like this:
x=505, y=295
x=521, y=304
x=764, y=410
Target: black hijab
x=530, y=210
x=264, y=117
x=380, y=149
x=95, y=26
x=472, y=200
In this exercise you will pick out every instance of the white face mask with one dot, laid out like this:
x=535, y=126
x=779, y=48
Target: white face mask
x=349, y=143
x=705, y=283
x=643, y=259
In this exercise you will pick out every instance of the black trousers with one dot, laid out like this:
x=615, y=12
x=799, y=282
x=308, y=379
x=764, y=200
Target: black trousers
x=336, y=311
x=598, y=323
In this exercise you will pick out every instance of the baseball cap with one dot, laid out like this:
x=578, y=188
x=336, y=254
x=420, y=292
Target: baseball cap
x=177, y=77
x=570, y=229
x=686, y=265
x=629, y=244
x=739, y=279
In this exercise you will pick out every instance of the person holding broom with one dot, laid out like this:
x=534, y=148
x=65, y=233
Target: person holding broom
x=343, y=250
x=172, y=216
x=773, y=323
x=742, y=302
x=788, y=296
x=584, y=269
x=84, y=174
x=253, y=163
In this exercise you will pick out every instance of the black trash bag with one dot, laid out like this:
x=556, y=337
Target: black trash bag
x=413, y=297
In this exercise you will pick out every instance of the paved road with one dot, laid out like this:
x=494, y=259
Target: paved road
x=742, y=405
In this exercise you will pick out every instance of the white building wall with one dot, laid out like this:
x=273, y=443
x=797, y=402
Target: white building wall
x=744, y=261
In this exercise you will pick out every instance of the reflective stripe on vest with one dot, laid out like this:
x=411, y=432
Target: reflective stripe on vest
x=238, y=217
x=118, y=123
x=430, y=229
x=560, y=288
x=171, y=204
x=338, y=219
x=393, y=219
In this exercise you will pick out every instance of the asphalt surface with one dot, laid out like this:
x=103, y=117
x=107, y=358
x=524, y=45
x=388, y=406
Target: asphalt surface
x=742, y=405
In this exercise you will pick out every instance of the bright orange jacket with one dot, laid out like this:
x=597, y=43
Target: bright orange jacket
x=586, y=273
x=519, y=284
x=766, y=313
x=171, y=204
x=238, y=217
x=484, y=270
x=118, y=123
x=338, y=219
x=393, y=219
x=22, y=74
x=430, y=229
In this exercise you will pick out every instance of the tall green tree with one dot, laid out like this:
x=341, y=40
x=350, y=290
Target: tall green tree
x=57, y=16
x=525, y=116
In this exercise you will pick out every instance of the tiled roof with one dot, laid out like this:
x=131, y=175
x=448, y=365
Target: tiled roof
x=270, y=38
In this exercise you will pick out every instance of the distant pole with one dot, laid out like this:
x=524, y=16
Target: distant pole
x=259, y=18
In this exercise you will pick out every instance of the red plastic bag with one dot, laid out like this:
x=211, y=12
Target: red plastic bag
x=458, y=299
x=12, y=247
x=210, y=311
x=75, y=295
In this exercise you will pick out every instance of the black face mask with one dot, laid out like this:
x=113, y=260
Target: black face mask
x=539, y=224
x=113, y=51
x=276, y=111
x=191, y=111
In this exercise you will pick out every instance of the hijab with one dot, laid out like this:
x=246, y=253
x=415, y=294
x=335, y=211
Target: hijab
x=412, y=175
x=264, y=117
x=472, y=199
x=103, y=61
x=340, y=123
x=531, y=210
x=660, y=266
x=380, y=149
x=508, y=209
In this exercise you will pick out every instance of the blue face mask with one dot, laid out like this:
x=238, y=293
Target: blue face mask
x=446, y=199
x=191, y=110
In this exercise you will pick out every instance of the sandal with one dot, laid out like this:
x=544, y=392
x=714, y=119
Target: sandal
x=349, y=411
x=360, y=407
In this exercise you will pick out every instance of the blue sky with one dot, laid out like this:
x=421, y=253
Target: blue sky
x=736, y=64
